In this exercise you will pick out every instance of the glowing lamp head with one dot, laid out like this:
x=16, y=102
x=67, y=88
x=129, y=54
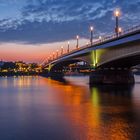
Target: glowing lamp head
x=117, y=13
x=120, y=30
x=91, y=28
x=77, y=36
x=100, y=37
x=68, y=42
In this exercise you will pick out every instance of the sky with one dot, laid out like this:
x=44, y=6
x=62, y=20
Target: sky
x=31, y=30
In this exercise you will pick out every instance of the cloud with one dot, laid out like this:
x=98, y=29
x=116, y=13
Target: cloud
x=44, y=21
x=62, y=10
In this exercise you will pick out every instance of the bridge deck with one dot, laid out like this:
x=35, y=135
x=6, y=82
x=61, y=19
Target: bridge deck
x=127, y=36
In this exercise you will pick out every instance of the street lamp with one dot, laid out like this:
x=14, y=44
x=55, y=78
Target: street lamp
x=57, y=53
x=87, y=43
x=61, y=50
x=120, y=30
x=100, y=38
x=53, y=55
x=117, y=14
x=77, y=38
x=50, y=57
x=68, y=47
x=91, y=35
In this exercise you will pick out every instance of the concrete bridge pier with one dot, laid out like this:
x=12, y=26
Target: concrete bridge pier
x=112, y=77
x=56, y=75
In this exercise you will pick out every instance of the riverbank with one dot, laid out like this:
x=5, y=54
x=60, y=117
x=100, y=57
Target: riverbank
x=19, y=74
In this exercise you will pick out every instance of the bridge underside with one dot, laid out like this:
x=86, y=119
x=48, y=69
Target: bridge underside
x=58, y=67
x=114, y=72
x=124, y=62
x=117, y=71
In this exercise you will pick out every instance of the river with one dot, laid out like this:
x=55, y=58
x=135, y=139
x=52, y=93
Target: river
x=37, y=108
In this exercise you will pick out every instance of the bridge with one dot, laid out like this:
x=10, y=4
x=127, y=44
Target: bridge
x=111, y=58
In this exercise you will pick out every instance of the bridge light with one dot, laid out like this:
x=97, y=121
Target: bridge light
x=91, y=35
x=100, y=38
x=117, y=14
x=61, y=50
x=120, y=30
x=53, y=55
x=91, y=28
x=77, y=38
x=87, y=43
x=57, y=53
x=50, y=57
x=68, y=47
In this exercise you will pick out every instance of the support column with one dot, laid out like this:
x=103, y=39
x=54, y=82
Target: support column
x=111, y=77
x=56, y=75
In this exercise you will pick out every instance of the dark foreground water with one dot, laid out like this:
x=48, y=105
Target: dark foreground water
x=37, y=108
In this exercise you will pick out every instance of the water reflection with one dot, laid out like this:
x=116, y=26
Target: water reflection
x=116, y=110
x=40, y=108
x=106, y=110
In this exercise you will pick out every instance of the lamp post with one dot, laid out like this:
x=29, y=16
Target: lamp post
x=100, y=38
x=53, y=55
x=91, y=35
x=77, y=38
x=68, y=47
x=57, y=54
x=61, y=50
x=46, y=61
x=87, y=43
x=119, y=30
x=50, y=57
x=117, y=14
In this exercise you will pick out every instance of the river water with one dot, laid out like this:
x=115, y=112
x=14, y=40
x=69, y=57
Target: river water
x=37, y=108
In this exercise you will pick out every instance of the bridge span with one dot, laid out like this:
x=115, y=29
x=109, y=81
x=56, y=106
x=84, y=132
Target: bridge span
x=111, y=58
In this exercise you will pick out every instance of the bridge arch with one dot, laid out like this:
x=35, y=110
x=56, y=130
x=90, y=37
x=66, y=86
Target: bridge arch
x=126, y=61
x=58, y=67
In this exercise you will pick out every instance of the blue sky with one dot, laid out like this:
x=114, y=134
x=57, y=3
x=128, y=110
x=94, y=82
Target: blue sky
x=39, y=22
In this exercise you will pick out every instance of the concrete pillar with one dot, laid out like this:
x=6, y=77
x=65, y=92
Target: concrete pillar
x=111, y=77
x=56, y=75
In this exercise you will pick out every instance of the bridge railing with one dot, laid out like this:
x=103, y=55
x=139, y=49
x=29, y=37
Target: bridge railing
x=103, y=40
x=109, y=37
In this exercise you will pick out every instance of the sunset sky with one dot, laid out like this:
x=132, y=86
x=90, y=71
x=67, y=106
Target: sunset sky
x=31, y=30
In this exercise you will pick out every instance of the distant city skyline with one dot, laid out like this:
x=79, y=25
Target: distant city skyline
x=31, y=30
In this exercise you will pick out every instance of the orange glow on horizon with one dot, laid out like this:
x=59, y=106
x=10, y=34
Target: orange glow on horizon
x=32, y=53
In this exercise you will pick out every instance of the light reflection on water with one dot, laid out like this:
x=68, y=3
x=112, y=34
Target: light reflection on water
x=37, y=108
